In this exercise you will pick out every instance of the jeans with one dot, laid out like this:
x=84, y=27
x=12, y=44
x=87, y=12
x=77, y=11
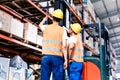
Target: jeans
x=75, y=71
x=54, y=64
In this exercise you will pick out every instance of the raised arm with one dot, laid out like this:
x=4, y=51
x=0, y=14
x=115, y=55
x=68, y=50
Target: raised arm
x=42, y=22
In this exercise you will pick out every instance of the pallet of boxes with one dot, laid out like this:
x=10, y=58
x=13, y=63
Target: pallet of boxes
x=15, y=69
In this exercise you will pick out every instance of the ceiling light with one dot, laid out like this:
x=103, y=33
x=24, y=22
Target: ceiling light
x=113, y=0
x=118, y=19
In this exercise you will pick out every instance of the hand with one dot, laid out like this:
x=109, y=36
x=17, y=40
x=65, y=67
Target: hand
x=70, y=61
x=45, y=18
x=65, y=65
x=43, y=21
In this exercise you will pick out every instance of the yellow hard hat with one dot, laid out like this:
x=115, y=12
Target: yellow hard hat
x=76, y=27
x=58, y=13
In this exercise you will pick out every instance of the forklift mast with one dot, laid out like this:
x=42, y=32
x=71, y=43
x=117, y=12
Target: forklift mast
x=97, y=66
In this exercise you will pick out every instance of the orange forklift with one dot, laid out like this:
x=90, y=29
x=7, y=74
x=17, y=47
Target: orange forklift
x=97, y=66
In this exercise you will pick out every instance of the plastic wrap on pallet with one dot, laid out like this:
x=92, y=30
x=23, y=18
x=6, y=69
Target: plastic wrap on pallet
x=4, y=68
x=29, y=74
x=16, y=74
x=17, y=62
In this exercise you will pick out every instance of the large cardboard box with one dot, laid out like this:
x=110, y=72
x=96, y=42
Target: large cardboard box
x=4, y=68
x=16, y=28
x=5, y=20
x=16, y=74
x=39, y=40
x=30, y=32
x=11, y=25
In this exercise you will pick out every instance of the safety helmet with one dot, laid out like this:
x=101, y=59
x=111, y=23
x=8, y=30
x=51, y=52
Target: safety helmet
x=58, y=13
x=76, y=27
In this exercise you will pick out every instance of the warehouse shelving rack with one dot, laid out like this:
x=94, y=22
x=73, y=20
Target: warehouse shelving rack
x=24, y=11
x=79, y=19
x=31, y=11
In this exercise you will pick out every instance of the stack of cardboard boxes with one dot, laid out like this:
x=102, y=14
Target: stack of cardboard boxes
x=27, y=31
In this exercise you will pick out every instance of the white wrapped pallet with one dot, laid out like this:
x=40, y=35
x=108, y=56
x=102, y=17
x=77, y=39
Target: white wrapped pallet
x=30, y=32
x=5, y=20
x=39, y=40
x=4, y=68
x=30, y=75
x=16, y=28
x=16, y=74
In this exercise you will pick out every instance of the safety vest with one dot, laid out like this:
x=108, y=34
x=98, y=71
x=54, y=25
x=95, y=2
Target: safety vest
x=52, y=40
x=77, y=52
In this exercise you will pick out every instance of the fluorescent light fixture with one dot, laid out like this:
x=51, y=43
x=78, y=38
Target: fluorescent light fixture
x=116, y=61
x=113, y=0
x=118, y=19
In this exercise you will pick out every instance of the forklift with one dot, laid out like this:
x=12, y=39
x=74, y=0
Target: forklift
x=97, y=66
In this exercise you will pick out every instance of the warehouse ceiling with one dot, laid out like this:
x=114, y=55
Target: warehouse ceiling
x=109, y=13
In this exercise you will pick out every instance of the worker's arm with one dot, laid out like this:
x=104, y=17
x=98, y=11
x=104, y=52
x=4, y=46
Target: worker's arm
x=65, y=53
x=42, y=22
x=64, y=46
x=70, y=48
x=71, y=43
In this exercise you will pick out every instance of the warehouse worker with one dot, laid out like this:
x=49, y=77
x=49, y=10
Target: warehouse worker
x=54, y=48
x=75, y=52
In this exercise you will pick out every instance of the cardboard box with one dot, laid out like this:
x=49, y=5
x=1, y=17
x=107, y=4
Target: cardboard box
x=16, y=28
x=16, y=74
x=39, y=40
x=5, y=20
x=11, y=25
x=4, y=68
x=30, y=32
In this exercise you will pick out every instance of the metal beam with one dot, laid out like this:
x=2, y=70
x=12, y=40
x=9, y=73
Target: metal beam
x=117, y=54
x=14, y=52
x=115, y=34
x=114, y=41
x=110, y=14
x=94, y=1
x=117, y=51
x=18, y=42
x=116, y=47
x=114, y=26
x=39, y=9
x=13, y=13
